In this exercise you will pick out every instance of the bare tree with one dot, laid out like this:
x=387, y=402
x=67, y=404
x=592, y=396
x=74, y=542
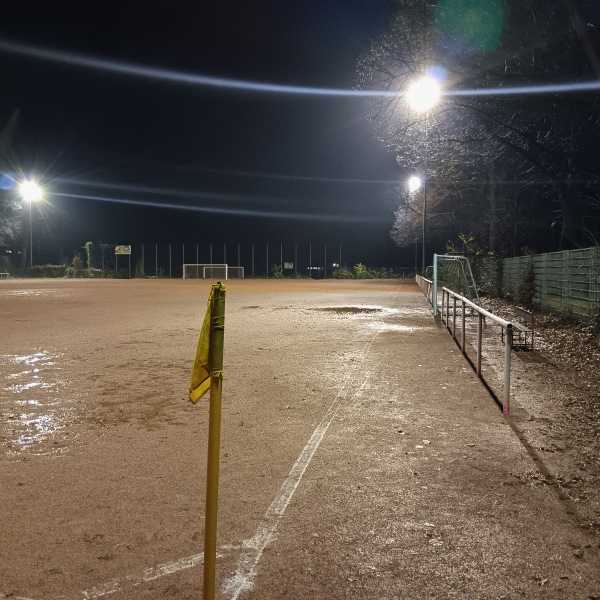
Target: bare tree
x=521, y=154
x=10, y=207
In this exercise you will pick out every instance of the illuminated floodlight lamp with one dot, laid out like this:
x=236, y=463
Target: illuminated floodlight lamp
x=30, y=191
x=414, y=183
x=423, y=94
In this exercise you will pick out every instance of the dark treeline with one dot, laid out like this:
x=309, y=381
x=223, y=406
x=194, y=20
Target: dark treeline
x=504, y=170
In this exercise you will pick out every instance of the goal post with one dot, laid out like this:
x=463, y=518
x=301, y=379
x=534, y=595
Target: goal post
x=453, y=272
x=212, y=271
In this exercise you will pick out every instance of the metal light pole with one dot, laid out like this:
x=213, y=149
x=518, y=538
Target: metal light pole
x=414, y=184
x=423, y=261
x=422, y=96
x=30, y=192
x=30, y=234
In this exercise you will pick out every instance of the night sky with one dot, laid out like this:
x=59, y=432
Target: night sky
x=115, y=150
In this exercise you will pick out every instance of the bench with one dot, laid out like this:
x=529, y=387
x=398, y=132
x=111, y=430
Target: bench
x=4, y=275
x=523, y=329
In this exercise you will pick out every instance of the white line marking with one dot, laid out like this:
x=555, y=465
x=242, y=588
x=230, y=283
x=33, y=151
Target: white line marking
x=245, y=573
x=149, y=574
x=243, y=578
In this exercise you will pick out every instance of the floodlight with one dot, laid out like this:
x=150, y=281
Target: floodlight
x=423, y=94
x=414, y=183
x=30, y=191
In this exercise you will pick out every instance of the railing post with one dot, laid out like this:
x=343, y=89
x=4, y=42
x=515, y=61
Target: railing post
x=447, y=310
x=507, y=356
x=462, y=343
x=479, y=336
x=454, y=317
x=443, y=299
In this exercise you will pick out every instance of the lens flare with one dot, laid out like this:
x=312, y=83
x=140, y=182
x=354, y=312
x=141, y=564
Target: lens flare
x=231, y=210
x=184, y=78
x=7, y=181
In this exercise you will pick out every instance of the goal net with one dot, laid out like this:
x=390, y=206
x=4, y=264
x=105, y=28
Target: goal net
x=212, y=271
x=453, y=272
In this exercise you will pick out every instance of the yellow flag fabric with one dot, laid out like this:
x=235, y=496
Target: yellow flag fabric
x=200, y=382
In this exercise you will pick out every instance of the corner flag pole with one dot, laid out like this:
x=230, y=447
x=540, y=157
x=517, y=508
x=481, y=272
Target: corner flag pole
x=207, y=373
x=214, y=439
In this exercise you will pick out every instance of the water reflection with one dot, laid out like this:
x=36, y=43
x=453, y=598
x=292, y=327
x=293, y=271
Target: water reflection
x=381, y=326
x=33, y=403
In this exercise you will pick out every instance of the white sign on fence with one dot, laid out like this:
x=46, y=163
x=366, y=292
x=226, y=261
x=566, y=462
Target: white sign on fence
x=122, y=249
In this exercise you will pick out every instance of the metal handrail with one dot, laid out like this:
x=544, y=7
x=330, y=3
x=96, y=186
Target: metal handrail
x=481, y=314
x=426, y=286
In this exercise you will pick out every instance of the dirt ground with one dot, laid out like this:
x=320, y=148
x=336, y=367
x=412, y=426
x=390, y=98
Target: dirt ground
x=557, y=390
x=360, y=458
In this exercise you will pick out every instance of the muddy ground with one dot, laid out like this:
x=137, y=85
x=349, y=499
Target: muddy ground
x=361, y=457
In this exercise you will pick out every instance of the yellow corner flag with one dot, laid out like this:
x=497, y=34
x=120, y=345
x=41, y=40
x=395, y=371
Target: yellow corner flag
x=207, y=374
x=209, y=354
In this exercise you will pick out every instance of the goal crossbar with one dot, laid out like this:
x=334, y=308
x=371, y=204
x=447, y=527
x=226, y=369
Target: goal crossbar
x=211, y=271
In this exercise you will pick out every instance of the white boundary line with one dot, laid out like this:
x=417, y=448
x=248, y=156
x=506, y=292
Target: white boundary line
x=243, y=578
x=149, y=574
x=245, y=573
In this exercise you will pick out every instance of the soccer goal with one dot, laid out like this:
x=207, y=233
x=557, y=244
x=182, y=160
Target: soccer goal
x=453, y=272
x=212, y=271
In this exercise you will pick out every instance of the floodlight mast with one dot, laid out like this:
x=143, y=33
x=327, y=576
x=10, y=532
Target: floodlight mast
x=422, y=96
x=414, y=185
x=30, y=192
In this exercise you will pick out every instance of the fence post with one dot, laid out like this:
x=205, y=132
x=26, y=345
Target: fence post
x=435, y=284
x=507, y=356
x=544, y=290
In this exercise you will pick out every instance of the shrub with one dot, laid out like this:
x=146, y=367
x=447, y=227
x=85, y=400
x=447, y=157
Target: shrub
x=342, y=274
x=382, y=273
x=51, y=271
x=276, y=272
x=88, y=253
x=361, y=272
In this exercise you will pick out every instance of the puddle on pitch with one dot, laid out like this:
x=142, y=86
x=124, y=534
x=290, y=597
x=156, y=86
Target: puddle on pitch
x=381, y=326
x=32, y=402
x=358, y=311
x=35, y=292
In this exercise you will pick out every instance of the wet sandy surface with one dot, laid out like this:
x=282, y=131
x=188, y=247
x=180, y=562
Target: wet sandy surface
x=361, y=458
